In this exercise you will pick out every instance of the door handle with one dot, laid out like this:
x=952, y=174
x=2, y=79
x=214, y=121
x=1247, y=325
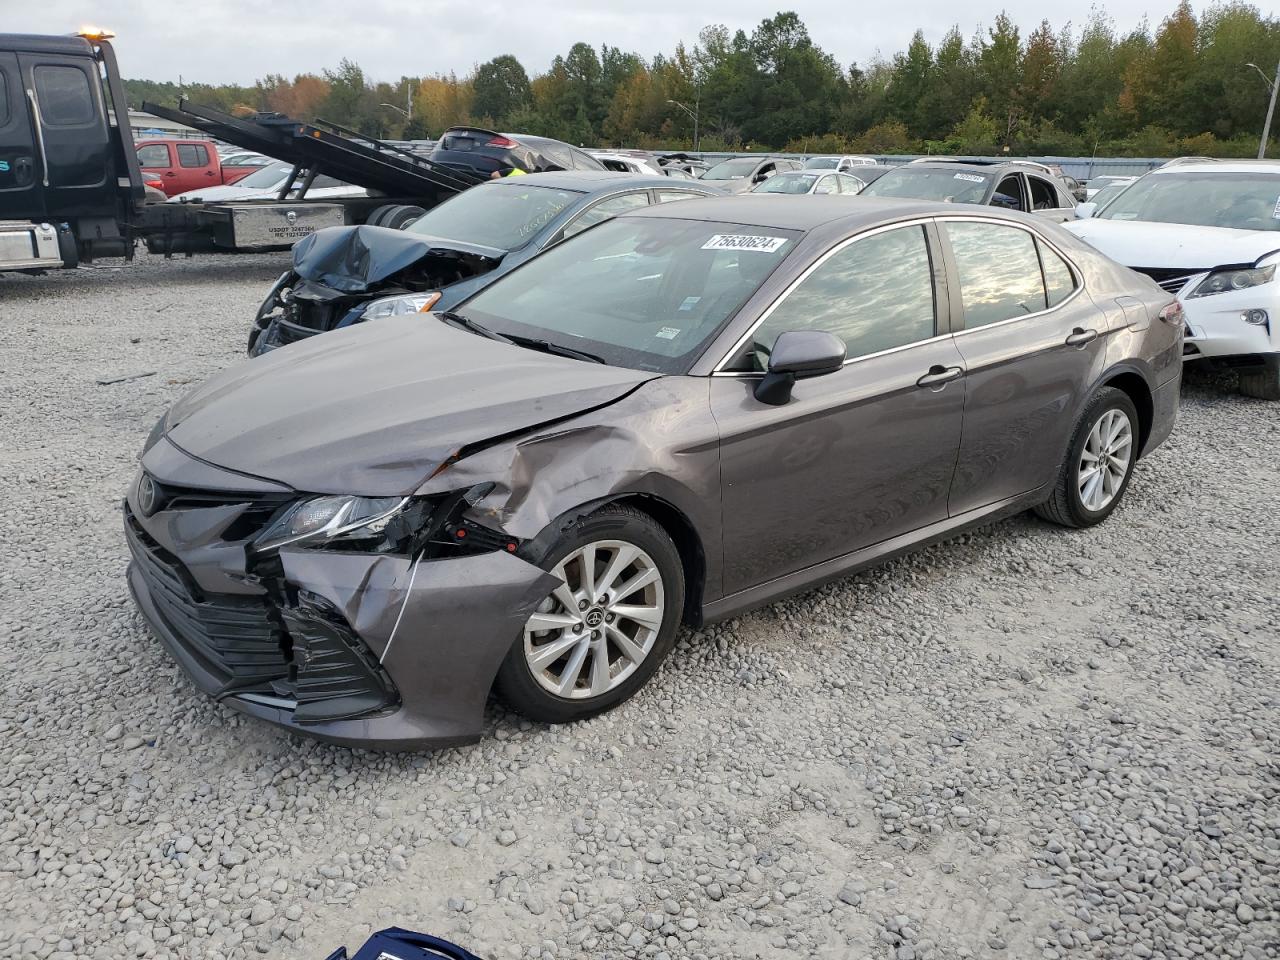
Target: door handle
x=939, y=376
x=170, y=173
x=208, y=173
x=1080, y=337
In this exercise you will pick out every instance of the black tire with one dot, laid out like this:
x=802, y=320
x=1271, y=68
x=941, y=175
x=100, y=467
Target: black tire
x=375, y=217
x=1066, y=506
x=1263, y=382
x=400, y=217
x=516, y=683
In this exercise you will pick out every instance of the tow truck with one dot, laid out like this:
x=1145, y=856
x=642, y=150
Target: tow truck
x=71, y=190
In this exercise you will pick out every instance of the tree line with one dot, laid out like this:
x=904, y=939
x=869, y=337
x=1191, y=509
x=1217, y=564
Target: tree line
x=1180, y=88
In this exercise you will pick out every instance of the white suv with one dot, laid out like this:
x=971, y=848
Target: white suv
x=1209, y=232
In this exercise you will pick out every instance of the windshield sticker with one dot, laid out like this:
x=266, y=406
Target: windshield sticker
x=733, y=241
x=970, y=177
x=668, y=333
x=1275, y=214
x=689, y=303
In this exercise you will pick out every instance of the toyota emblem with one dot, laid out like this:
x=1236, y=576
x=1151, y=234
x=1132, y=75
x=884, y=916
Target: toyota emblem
x=147, y=495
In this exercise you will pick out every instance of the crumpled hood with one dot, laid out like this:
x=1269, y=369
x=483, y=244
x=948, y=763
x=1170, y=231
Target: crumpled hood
x=354, y=259
x=1175, y=246
x=375, y=409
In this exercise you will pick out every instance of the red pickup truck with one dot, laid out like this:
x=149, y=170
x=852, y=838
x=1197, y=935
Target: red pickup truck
x=183, y=165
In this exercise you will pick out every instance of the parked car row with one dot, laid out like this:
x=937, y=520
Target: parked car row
x=561, y=414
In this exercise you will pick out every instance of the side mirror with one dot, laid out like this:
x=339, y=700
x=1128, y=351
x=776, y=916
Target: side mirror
x=798, y=355
x=1085, y=210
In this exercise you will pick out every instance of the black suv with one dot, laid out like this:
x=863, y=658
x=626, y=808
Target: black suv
x=1009, y=184
x=484, y=152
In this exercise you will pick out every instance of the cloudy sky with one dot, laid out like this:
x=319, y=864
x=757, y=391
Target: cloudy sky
x=225, y=41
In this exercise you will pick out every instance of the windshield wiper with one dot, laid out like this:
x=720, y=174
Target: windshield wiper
x=546, y=346
x=466, y=323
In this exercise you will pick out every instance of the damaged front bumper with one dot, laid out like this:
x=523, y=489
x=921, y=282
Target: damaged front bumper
x=367, y=650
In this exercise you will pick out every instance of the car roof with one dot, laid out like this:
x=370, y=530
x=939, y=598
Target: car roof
x=591, y=181
x=785, y=212
x=993, y=167
x=1219, y=166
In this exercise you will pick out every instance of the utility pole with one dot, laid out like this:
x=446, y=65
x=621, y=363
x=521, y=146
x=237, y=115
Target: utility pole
x=1274, y=87
x=697, y=104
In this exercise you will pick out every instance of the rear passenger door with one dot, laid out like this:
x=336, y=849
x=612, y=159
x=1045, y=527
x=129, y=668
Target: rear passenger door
x=195, y=168
x=20, y=196
x=1033, y=344
x=72, y=142
x=1010, y=194
x=1048, y=201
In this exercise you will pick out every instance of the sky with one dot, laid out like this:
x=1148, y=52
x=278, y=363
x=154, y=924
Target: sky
x=239, y=41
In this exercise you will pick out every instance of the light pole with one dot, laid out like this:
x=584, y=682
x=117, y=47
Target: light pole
x=1274, y=87
x=697, y=142
x=407, y=110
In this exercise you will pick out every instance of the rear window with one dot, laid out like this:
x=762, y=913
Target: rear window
x=192, y=155
x=506, y=215
x=957, y=186
x=4, y=100
x=64, y=95
x=153, y=155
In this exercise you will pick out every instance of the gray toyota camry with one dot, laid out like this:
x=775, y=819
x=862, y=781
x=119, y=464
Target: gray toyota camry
x=679, y=414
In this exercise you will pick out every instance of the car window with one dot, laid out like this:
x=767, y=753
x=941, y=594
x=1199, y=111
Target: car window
x=558, y=153
x=192, y=155
x=606, y=209
x=875, y=294
x=1059, y=281
x=4, y=100
x=822, y=163
x=666, y=196
x=1044, y=196
x=506, y=214
x=64, y=95
x=954, y=186
x=644, y=292
x=322, y=181
x=851, y=184
x=999, y=272
x=153, y=155
x=827, y=185
x=267, y=177
x=1008, y=194
x=1240, y=201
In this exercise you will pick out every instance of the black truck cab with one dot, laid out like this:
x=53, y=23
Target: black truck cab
x=68, y=186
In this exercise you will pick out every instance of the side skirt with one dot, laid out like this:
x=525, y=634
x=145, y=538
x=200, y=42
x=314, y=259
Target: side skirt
x=878, y=553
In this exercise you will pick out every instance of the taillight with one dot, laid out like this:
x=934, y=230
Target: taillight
x=501, y=141
x=1171, y=313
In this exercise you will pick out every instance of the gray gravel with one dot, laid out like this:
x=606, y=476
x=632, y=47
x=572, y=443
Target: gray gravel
x=1024, y=743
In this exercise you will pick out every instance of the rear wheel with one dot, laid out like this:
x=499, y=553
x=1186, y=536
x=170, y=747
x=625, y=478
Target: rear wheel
x=1263, y=382
x=599, y=636
x=1099, y=462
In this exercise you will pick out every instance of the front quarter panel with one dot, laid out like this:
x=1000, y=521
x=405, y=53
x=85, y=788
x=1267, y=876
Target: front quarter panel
x=660, y=441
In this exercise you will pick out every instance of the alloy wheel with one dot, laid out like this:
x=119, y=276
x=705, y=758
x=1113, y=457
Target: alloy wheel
x=599, y=625
x=1105, y=460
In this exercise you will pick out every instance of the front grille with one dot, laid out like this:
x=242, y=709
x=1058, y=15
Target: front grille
x=304, y=652
x=234, y=637
x=1169, y=280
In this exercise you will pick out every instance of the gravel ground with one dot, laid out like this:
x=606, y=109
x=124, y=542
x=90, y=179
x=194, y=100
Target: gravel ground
x=1026, y=742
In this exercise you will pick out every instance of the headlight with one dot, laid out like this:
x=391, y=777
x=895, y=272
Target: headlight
x=156, y=433
x=322, y=519
x=400, y=305
x=1225, y=281
x=273, y=295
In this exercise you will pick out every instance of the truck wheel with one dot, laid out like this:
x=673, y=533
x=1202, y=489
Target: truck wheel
x=375, y=217
x=401, y=217
x=1263, y=383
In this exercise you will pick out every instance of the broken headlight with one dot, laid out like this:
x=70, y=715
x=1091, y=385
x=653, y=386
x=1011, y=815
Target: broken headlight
x=400, y=305
x=1225, y=281
x=321, y=520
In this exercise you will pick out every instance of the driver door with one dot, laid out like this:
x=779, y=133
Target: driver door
x=860, y=455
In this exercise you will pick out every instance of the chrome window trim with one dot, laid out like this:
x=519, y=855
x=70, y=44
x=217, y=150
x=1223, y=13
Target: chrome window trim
x=1076, y=274
x=719, y=371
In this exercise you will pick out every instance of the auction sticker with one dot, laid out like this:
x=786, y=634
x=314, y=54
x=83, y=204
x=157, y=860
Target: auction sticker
x=736, y=241
x=1275, y=214
x=971, y=177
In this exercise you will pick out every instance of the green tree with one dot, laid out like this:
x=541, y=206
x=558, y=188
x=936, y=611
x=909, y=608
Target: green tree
x=501, y=88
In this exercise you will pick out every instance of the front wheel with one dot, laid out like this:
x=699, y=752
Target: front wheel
x=599, y=636
x=1099, y=462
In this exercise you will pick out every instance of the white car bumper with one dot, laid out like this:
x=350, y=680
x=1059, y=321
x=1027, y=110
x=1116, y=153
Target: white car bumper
x=1219, y=325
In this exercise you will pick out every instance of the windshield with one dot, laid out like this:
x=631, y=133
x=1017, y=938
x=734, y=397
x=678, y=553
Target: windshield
x=958, y=186
x=732, y=169
x=505, y=215
x=640, y=292
x=788, y=183
x=1108, y=193
x=1240, y=201
x=822, y=163
x=267, y=177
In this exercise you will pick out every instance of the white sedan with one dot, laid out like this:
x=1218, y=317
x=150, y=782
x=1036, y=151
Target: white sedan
x=265, y=184
x=1208, y=232
x=811, y=181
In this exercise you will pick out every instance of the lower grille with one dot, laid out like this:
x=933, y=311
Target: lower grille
x=1169, y=280
x=234, y=637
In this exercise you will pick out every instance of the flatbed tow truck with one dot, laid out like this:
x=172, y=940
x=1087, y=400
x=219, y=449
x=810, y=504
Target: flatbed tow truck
x=71, y=190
